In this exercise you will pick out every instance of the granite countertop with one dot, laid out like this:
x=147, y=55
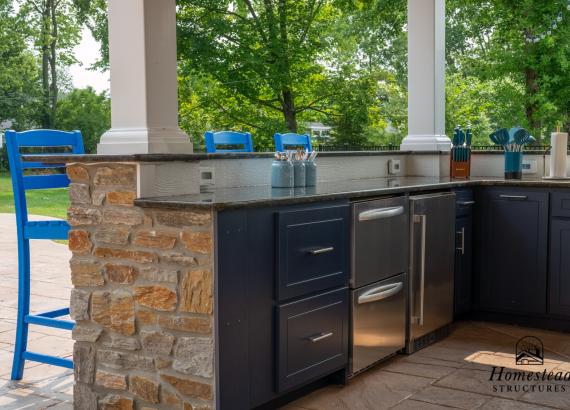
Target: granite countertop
x=87, y=158
x=255, y=196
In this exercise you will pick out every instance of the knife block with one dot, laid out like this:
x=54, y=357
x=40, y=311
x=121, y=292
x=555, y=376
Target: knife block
x=460, y=163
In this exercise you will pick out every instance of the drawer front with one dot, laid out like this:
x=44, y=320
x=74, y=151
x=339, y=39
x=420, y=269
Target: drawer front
x=560, y=204
x=312, y=250
x=312, y=338
x=464, y=202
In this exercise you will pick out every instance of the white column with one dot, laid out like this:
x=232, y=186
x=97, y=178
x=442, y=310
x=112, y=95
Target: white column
x=144, y=101
x=426, y=77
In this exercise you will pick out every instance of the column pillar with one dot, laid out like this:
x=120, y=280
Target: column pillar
x=143, y=65
x=426, y=77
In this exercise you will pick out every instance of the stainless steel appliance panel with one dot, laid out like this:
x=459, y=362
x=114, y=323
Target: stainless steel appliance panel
x=431, y=257
x=380, y=233
x=378, y=321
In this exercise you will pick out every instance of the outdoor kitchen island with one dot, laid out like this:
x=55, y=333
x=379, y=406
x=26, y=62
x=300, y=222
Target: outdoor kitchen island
x=180, y=301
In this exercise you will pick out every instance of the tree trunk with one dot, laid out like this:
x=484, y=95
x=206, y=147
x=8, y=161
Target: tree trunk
x=53, y=61
x=289, y=111
x=46, y=114
x=531, y=81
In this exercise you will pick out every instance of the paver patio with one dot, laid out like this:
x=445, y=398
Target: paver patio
x=43, y=386
x=453, y=373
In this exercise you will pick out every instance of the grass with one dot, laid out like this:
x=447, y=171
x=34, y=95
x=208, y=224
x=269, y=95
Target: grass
x=51, y=202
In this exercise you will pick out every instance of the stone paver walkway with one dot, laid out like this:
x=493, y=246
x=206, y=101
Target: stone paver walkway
x=43, y=386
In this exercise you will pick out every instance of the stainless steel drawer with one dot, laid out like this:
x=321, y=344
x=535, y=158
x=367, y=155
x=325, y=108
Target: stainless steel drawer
x=380, y=233
x=312, y=250
x=378, y=321
x=312, y=338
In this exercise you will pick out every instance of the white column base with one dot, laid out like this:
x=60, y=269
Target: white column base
x=426, y=143
x=145, y=141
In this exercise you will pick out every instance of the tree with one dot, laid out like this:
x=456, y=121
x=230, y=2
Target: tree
x=264, y=51
x=54, y=29
x=19, y=91
x=87, y=111
x=502, y=39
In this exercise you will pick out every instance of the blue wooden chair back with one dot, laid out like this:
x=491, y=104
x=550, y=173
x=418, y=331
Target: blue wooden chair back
x=282, y=141
x=228, y=138
x=15, y=141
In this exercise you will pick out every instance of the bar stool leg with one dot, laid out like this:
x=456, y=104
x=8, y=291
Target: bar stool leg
x=23, y=309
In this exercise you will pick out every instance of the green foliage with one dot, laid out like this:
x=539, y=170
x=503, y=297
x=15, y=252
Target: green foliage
x=87, y=111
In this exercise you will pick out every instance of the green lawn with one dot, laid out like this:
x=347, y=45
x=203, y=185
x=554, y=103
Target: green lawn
x=51, y=202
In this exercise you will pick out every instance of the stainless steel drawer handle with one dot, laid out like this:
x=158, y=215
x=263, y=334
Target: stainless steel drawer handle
x=380, y=213
x=465, y=203
x=322, y=336
x=519, y=197
x=379, y=293
x=320, y=251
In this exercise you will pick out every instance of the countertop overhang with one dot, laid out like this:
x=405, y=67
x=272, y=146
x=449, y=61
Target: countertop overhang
x=257, y=196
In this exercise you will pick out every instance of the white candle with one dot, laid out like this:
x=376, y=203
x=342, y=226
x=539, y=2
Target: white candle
x=558, y=155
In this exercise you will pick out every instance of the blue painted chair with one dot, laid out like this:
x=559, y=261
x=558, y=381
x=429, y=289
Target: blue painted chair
x=282, y=141
x=228, y=138
x=36, y=230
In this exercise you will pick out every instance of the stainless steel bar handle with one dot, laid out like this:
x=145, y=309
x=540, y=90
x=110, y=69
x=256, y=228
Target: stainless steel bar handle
x=321, y=250
x=322, y=336
x=380, y=213
x=462, y=248
x=423, y=221
x=380, y=293
x=465, y=203
x=519, y=197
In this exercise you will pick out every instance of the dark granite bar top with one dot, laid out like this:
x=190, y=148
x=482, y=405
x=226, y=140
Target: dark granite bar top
x=255, y=196
x=71, y=158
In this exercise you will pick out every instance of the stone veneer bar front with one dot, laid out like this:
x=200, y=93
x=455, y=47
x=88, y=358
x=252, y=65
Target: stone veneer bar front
x=142, y=297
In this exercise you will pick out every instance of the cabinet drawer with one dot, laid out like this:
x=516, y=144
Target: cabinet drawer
x=560, y=204
x=312, y=250
x=312, y=338
x=464, y=202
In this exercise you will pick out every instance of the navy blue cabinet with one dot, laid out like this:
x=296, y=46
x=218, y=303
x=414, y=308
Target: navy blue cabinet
x=512, y=250
x=559, y=271
x=280, y=286
x=463, y=277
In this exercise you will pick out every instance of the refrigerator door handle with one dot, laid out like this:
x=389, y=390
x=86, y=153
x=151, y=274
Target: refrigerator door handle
x=422, y=220
x=380, y=293
x=380, y=213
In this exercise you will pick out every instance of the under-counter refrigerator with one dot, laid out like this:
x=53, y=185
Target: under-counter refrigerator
x=432, y=250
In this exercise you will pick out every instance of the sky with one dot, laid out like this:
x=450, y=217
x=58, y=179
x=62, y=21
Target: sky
x=87, y=52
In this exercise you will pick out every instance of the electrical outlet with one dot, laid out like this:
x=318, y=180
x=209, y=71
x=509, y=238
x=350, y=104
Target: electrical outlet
x=394, y=166
x=529, y=166
x=207, y=176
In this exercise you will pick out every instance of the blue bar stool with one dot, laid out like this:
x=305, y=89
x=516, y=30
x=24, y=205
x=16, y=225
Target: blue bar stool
x=282, y=141
x=228, y=138
x=36, y=230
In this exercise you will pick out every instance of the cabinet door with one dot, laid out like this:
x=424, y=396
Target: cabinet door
x=560, y=267
x=512, y=268
x=463, y=258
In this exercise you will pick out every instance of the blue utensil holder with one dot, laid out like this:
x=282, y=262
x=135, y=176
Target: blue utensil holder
x=513, y=165
x=310, y=173
x=299, y=174
x=282, y=174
